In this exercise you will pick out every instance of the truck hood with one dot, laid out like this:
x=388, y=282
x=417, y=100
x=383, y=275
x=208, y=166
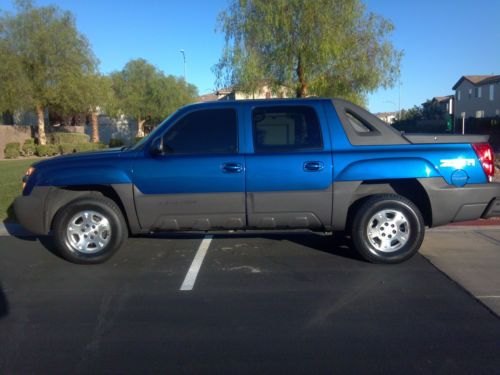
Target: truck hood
x=78, y=157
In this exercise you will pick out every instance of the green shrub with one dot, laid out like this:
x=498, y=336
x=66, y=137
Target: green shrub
x=29, y=147
x=66, y=148
x=12, y=150
x=116, y=142
x=84, y=147
x=100, y=146
x=47, y=150
x=74, y=138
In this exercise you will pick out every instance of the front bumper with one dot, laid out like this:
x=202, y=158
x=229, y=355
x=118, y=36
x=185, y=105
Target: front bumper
x=31, y=212
x=454, y=204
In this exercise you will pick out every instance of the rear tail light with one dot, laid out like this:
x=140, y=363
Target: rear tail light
x=486, y=157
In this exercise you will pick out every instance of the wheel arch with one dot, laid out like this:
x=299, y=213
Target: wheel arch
x=411, y=189
x=121, y=194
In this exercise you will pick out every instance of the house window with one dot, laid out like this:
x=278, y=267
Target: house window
x=491, y=92
x=479, y=114
x=470, y=93
x=479, y=92
x=458, y=95
x=497, y=112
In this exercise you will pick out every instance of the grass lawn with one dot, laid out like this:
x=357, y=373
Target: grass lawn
x=11, y=172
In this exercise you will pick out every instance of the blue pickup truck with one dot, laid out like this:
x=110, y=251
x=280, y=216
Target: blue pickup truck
x=319, y=164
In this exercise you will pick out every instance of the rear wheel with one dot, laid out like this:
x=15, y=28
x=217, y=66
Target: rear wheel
x=387, y=229
x=89, y=230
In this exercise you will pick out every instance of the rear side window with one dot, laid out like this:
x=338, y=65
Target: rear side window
x=357, y=124
x=204, y=132
x=285, y=129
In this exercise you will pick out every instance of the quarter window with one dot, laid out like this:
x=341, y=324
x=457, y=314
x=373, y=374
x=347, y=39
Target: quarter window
x=203, y=132
x=284, y=129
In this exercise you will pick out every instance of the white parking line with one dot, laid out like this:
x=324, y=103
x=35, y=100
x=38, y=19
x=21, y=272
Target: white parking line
x=190, y=278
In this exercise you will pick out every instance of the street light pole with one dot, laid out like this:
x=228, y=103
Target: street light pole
x=399, y=100
x=184, y=58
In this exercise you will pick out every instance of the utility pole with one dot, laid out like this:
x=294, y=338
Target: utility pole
x=184, y=58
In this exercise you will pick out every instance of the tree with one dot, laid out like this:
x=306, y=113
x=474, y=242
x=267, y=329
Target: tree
x=146, y=94
x=97, y=95
x=321, y=47
x=430, y=110
x=51, y=59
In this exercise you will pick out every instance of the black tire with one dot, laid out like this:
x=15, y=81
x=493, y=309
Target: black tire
x=102, y=237
x=380, y=237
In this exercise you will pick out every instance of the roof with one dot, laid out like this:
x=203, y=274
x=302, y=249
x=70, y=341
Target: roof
x=385, y=114
x=207, y=97
x=478, y=80
x=443, y=99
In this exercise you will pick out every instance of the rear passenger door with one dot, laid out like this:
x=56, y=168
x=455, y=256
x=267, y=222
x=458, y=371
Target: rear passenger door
x=289, y=167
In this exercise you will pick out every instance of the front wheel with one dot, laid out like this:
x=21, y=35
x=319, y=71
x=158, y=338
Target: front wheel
x=89, y=230
x=387, y=229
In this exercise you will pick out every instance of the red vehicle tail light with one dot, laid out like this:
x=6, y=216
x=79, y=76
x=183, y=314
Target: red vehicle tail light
x=486, y=157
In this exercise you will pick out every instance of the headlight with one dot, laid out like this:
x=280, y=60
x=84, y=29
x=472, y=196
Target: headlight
x=27, y=175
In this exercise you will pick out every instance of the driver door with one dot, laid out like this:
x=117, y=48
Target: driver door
x=199, y=182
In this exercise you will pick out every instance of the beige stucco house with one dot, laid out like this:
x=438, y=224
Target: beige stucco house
x=388, y=117
x=477, y=96
x=232, y=93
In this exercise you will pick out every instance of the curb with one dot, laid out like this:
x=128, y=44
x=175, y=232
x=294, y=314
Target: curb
x=463, y=228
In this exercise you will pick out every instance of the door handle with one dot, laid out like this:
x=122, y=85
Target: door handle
x=313, y=166
x=232, y=168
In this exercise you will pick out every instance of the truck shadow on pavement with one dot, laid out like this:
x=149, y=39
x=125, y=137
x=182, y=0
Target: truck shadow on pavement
x=4, y=305
x=336, y=245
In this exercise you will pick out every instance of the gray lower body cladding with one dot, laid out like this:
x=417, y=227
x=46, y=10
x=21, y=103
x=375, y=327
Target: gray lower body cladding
x=170, y=212
x=254, y=210
x=31, y=210
x=36, y=211
x=454, y=204
x=325, y=209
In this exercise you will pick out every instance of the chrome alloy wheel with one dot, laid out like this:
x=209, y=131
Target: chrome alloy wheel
x=388, y=230
x=88, y=232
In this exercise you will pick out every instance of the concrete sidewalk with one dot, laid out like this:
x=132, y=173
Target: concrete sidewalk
x=471, y=257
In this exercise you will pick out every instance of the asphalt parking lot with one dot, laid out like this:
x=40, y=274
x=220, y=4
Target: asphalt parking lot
x=238, y=303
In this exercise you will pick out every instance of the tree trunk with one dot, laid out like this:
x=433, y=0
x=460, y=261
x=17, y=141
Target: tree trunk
x=95, y=127
x=140, y=127
x=302, y=89
x=42, y=139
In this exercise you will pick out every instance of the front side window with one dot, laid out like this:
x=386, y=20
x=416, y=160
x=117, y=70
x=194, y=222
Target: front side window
x=203, y=132
x=286, y=129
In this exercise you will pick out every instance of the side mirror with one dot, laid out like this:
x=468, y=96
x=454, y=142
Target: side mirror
x=157, y=148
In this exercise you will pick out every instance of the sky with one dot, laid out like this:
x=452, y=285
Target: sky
x=441, y=40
